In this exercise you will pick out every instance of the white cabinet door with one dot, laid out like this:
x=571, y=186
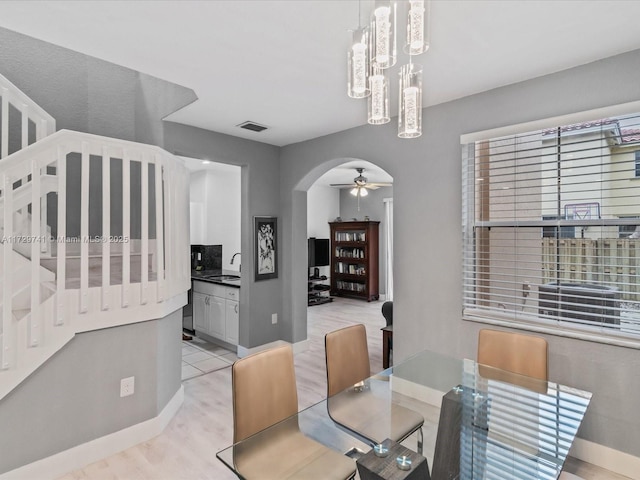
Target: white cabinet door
x=200, y=312
x=217, y=317
x=232, y=323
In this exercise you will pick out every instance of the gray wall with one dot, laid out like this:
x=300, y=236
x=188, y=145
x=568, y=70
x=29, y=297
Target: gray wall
x=372, y=206
x=75, y=396
x=427, y=200
x=260, y=188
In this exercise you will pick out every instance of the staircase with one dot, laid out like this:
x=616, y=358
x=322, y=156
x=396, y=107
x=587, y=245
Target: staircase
x=94, y=234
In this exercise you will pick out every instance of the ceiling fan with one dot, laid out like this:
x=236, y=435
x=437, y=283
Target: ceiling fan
x=360, y=185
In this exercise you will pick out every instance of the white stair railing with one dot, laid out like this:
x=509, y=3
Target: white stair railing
x=35, y=123
x=135, y=257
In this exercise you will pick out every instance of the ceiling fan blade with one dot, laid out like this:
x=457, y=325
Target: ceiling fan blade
x=342, y=185
x=379, y=184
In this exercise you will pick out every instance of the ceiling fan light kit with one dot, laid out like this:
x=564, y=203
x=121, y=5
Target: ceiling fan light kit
x=373, y=51
x=361, y=186
x=359, y=192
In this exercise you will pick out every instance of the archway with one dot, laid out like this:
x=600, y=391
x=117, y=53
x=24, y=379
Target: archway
x=301, y=200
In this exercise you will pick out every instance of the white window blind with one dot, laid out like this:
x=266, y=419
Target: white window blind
x=550, y=220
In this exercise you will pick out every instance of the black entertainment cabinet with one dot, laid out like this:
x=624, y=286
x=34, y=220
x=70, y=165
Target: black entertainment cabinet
x=318, y=290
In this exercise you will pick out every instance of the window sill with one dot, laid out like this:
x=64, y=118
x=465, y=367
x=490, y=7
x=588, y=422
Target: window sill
x=593, y=334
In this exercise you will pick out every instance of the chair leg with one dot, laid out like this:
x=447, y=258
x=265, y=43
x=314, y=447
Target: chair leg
x=420, y=439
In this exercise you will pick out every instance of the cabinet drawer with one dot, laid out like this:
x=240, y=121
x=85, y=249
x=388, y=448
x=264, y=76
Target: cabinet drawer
x=233, y=293
x=209, y=288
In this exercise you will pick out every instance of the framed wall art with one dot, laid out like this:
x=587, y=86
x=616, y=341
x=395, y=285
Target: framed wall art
x=265, y=236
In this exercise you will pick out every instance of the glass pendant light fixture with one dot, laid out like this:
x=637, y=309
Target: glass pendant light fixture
x=373, y=50
x=378, y=102
x=418, y=30
x=358, y=64
x=383, y=34
x=410, y=101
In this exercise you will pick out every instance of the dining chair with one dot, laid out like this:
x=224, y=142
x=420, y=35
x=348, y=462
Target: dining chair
x=361, y=412
x=524, y=355
x=514, y=352
x=387, y=313
x=265, y=396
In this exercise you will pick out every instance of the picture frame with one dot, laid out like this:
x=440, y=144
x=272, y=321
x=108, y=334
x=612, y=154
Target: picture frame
x=265, y=247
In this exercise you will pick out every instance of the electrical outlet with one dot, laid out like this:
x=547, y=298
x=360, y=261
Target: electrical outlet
x=127, y=386
x=274, y=318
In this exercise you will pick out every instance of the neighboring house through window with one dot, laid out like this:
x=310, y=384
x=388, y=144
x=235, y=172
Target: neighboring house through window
x=549, y=218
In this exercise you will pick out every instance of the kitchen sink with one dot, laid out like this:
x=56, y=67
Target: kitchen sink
x=222, y=277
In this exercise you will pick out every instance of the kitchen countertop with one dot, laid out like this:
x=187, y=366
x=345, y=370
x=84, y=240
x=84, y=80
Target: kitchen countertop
x=210, y=276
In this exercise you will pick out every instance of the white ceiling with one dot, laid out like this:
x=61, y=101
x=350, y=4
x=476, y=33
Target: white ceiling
x=346, y=172
x=196, y=165
x=282, y=63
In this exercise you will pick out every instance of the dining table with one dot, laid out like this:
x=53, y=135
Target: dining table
x=480, y=422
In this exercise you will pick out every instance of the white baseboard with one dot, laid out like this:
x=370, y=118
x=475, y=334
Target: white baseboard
x=94, y=450
x=613, y=460
x=298, y=347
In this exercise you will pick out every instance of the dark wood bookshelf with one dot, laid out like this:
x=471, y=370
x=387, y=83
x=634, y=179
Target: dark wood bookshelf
x=354, y=259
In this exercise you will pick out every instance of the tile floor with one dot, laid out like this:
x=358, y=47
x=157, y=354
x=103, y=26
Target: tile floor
x=200, y=357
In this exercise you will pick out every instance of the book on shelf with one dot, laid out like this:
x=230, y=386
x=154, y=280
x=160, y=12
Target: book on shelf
x=351, y=236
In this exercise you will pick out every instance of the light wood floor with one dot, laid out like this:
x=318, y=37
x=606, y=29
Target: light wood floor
x=204, y=425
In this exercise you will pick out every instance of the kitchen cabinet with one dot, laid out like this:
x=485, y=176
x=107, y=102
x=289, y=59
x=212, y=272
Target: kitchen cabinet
x=232, y=323
x=216, y=311
x=216, y=317
x=200, y=312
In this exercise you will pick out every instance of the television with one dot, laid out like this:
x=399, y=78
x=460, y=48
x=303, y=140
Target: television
x=318, y=252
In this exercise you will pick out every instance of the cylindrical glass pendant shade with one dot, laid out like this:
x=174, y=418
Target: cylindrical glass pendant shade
x=358, y=64
x=378, y=101
x=418, y=30
x=410, y=101
x=383, y=34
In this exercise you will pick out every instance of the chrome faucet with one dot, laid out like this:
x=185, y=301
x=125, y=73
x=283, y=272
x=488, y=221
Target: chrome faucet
x=233, y=258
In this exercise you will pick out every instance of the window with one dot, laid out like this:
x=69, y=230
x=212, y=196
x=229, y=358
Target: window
x=637, y=163
x=549, y=218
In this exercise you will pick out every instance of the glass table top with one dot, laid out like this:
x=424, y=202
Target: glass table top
x=479, y=422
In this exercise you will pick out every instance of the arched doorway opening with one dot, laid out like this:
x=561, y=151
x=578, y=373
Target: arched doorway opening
x=318, y=200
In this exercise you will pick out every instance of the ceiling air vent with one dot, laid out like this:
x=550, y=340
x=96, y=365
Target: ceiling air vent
x=253, y=126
